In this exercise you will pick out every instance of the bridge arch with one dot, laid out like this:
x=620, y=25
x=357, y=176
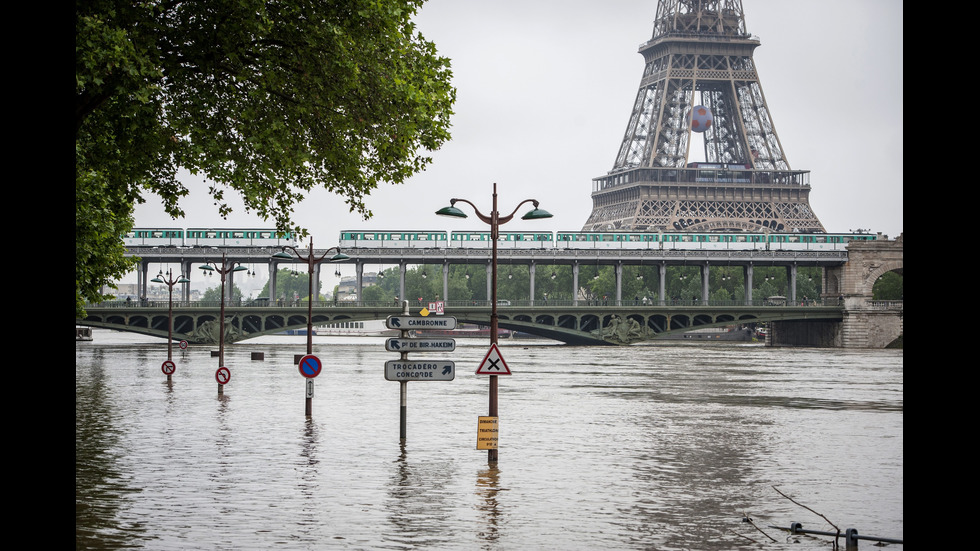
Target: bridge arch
x=866, y=263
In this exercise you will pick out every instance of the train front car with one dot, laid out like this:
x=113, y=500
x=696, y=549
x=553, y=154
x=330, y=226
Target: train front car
x=154, y=237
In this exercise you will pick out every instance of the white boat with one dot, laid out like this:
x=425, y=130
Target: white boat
x=371, y=328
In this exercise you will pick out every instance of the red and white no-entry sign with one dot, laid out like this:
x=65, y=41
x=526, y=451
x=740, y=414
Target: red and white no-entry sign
x=168, y=367
x=222, y=375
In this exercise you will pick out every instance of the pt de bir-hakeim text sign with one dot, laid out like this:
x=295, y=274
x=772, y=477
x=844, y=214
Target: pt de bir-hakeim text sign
x=420, y=345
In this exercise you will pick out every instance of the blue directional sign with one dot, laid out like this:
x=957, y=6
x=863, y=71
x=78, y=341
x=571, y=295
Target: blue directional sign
x=310, y=366
x=429, y=370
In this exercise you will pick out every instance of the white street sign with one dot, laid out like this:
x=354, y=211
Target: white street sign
x=420, y=345
x=430, y=370
x=406, y=323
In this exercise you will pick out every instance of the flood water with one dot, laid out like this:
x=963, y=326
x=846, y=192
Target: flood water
x=646, y=447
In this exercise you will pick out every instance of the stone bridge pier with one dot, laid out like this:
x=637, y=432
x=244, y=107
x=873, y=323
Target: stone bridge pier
x=866, y=323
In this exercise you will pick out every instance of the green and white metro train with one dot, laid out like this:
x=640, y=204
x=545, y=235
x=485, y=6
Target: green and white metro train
x=438, y=239
x=208, y=237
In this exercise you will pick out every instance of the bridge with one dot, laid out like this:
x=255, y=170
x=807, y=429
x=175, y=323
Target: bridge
x=578, y=259
x=845, y=314
x=586, y=323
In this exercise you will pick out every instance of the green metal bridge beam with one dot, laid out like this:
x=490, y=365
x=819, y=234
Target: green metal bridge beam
x=578, y=325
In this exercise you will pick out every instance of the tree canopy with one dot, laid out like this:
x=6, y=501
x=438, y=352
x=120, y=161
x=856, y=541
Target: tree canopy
x=269, y=99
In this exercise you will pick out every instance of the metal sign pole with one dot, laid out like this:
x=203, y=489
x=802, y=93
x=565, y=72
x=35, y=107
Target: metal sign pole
x=494, y=220
x=403, y=387
x=494, y=233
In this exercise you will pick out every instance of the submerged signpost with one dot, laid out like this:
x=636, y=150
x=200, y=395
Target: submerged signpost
x=404, y=370
x=309, y=365
x=494, y=220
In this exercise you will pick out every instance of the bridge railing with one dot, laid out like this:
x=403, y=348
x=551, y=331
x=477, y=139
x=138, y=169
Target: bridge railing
x=886, y=305
x=501, y=304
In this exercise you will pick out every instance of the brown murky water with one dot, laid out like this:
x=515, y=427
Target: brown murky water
x=653, y=447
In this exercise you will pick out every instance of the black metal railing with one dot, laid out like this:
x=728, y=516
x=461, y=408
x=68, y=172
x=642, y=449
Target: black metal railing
x=851, y=536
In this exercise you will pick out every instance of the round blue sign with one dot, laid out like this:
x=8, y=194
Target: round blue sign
x=309, y=366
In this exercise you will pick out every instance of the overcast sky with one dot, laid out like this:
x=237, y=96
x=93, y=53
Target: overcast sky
x=545, y=89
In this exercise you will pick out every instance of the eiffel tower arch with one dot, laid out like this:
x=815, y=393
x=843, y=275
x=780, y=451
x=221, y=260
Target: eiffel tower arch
x=700, y=55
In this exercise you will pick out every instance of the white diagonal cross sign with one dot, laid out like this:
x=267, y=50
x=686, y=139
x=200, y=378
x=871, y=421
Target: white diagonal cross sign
x=493, y=363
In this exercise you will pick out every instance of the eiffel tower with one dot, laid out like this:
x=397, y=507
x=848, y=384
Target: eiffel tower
x=700, y=57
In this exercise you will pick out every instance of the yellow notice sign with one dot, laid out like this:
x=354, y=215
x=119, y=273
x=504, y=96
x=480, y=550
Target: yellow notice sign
x=424, y=312
x=486, y=433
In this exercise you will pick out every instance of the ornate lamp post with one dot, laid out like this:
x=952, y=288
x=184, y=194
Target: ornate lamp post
x=224, y=270
x=170, y=282
x=494, y=219
x=311, y=261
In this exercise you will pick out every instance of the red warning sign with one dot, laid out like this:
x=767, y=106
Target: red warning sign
x=493, y=363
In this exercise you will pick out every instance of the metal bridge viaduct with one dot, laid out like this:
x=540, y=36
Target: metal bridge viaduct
x=845, y=316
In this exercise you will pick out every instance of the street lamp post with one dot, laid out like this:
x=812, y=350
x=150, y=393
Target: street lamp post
x=495, y=220
x=170, y=282
x=224, y=270
x=311, y=261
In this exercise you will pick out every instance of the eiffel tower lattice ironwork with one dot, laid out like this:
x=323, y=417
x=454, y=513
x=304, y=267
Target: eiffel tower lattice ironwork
x=700, y=55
